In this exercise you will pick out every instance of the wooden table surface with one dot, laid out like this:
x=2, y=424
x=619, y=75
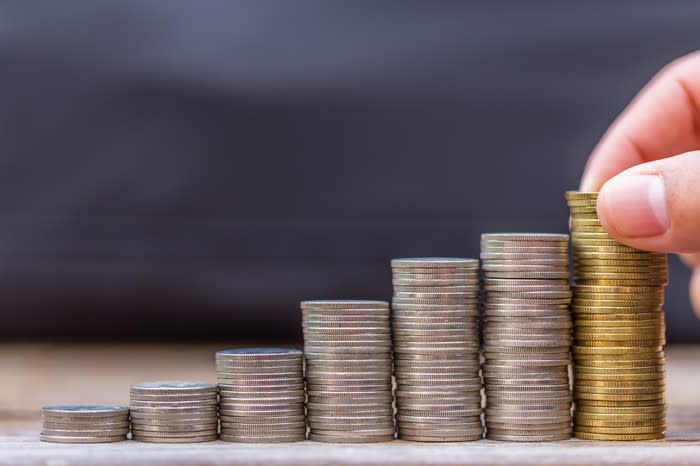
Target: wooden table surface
x=36, y=374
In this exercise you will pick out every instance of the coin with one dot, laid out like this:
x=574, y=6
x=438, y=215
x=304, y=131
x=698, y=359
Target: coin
x=526, y=330
x=173, y=411
x=348, y=366
x=191, y=439
x=84, y=423
x=436, y=344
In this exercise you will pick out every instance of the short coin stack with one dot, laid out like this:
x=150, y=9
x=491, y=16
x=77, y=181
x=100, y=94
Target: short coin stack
x=174, y=412
x=84, y=423
x=435, y=314
x=527, y=336
x=261, y=394
x=347, y=345
x=618, y=332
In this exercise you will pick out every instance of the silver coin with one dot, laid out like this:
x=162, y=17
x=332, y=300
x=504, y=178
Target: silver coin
x=549, y=237
x=267, y=419
x=355, y=438
x=260, y=353
x=57, y=439
x=84, y=433
x=260, y=390
x=344, y=304
x=434, y=262
x=173, y=387
x=528, y=438
x=169, y=421
x=197, y=439
x=174, y=416
x=84, y=411
x=178, y=428
x=172, y=404
x=256, y=439
x=266, y=427
x=82, y=425
x=436, y=282
x=174, y=398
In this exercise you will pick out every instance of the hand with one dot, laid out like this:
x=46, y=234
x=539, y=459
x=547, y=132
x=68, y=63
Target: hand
x=647, y=168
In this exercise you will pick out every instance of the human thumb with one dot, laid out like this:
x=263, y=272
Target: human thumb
x=655, y=206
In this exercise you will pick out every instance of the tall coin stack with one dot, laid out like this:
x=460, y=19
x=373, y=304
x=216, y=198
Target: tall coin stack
x=527, y=336
x=174, y=412
x=347, y=345
x=261, y=395
x=435, y=314
x=619, y=332
x=84, y=423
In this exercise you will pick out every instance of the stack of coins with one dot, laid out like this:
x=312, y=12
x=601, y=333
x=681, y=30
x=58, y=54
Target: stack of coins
x=527, y=336
x=84, y=423
x=174, y=412
x=261, y=395
x=618, y=332
x=347, y=345
x=436, y=349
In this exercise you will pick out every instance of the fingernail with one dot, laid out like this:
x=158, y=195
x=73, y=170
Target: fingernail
x=634, y=205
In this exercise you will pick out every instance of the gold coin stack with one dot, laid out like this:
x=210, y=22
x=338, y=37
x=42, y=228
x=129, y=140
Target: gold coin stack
x=619, y=338
x=261, y=395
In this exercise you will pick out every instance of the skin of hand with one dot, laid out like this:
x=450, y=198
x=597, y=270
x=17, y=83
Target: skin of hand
x=647, y=168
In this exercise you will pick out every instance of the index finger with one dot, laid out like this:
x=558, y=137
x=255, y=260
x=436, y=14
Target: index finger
x=663, y=120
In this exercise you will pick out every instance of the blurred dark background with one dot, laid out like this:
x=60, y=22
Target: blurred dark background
x=193, y=169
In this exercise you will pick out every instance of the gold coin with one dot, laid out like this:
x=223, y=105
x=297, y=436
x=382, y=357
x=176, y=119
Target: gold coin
x=581, y=376
x=626, y=328
x=606, y=412
x=592, y=233
x=623, y=282
x=586, y=386
x=602, y=371
x=657, y=417
x=650, y=291
x=607, y=363
x=580, y=322
x=621, y=405
x=579, y=247
x=616, y=415
x=586, y=221
x=591, y=215
x=596, y=262
x=619, y=333
x=653, y=429
x=582, y=207
x=596, y=272
x=611, y=364
x=603, y=311
x=655, y=397
x=629, y=300
x=618, y=437
x=617, y=342
x=630, y=424
x=622, y=384
x=600, y=241
x=582, y=202
x=617, y=351
x=574, y=195
x=614, y=275
x=596, y=227
x=581, y=255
